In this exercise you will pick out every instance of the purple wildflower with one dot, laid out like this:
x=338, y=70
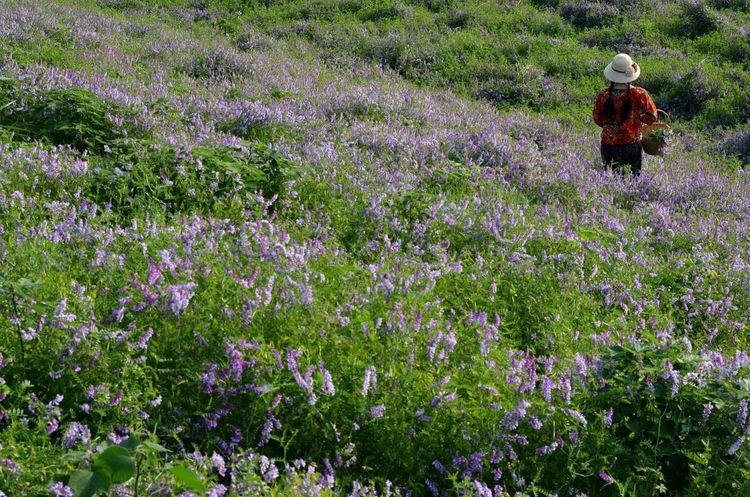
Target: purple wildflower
x=673, y=376
x=546, y=449
x=52, y=426
x=329, y=474
x=269, y=470
x=218, y=490
x=11, y=465
x=59, y=489
x=742, y=414
x=116, y=399
x=546, y=387
x=115, y=438
x=432, y=487
x=60, y=313
x=180, y=296
x=377, y=411
x=736, y=445
x=573, y=436
x=370, y=380
x=576, y=415
x=606, y=477
x=142, y=342
x=481, y=489
x=328, y=386
x=580, y=363
x=217, y=462
x=76, y=431
x=566, y=389
x=265, y=434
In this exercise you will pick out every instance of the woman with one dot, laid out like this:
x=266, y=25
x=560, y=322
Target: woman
x=622, y=110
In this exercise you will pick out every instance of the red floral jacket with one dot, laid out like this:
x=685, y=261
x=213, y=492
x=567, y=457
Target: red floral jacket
x=643, y=112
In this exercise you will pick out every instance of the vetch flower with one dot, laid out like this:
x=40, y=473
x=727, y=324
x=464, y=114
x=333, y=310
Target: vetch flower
x=736, y=446
x=432, y=487
x=52, y=426
x=370, y=381
x=76, y=431
x=328, y=386
x=377, y=411
x=59, y=489
x=576, y=415
x=180, y=296
x=742, y=414
x=217, y=490
x=546, y=387
x=217, y=462
x=546, y=449
x=606, y=477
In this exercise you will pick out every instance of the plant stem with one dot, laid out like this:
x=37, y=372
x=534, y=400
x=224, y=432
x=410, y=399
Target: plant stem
x=13, y=301
x=137, y=474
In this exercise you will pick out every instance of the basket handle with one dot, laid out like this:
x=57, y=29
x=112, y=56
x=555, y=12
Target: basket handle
x=662, y=116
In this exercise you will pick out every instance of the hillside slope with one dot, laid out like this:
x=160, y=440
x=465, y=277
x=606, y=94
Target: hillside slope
x=259, y=270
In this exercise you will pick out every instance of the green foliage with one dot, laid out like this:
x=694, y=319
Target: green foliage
x=385, y=258
x=477, y=50
x=141, y=177
x=16, y=299
x=260, y=132
x=188, y=478
x=731, y=4
x=112, y=465
x=87, y=483
x=660, y=436
x=215, y=63
x=696, y=19
x=61, y=116
x=114, y=462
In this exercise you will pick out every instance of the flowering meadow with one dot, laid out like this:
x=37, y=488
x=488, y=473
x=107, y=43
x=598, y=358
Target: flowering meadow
x=238, y=260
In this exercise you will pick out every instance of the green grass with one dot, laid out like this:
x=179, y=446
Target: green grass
x=477, y=49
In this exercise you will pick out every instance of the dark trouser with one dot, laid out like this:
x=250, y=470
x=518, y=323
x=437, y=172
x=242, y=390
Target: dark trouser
x=618, y=156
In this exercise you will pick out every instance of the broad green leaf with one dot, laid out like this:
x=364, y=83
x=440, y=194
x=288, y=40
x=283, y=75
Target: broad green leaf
x=130, y=444
x=188, y=478
x=155, y=447
x=86, y=483
x=116, y=462
x=74, y=456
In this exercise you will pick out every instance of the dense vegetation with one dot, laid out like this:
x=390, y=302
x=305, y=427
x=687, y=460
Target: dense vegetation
x=367, y=248
x=542, y=54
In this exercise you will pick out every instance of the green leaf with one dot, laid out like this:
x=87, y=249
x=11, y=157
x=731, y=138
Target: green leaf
x=86, y=483
x=74, y=456
x=155, y=447
x=188, y=478
x=130, y=444
x=115, y=462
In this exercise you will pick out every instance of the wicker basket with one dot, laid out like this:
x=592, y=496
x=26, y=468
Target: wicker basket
x=653, y=144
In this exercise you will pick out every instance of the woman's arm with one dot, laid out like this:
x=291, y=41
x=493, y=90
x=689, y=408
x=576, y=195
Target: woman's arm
x=648, y=114
x=600, y=99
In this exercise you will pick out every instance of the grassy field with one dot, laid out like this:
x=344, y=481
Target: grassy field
x=368, y=248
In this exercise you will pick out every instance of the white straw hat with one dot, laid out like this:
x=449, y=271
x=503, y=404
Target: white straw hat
x=622, y=69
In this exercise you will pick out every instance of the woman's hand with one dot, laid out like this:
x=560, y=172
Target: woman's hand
x=648, y=118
